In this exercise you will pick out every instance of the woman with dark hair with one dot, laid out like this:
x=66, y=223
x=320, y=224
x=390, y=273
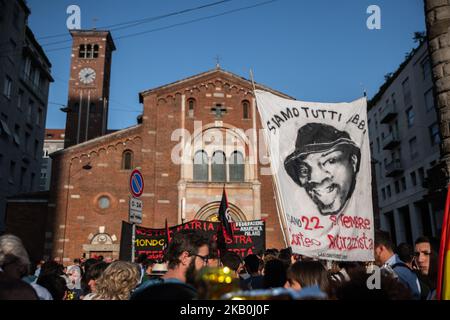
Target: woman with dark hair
x=307, y=274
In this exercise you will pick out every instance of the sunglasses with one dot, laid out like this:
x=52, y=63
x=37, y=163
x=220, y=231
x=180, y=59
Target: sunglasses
x=204, y=258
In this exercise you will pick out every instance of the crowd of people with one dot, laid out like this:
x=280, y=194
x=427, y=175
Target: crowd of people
x=193, y=270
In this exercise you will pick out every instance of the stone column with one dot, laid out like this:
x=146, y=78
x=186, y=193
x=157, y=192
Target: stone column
x=432, y=216
x=415, y=216
x=437, y=14
x=399, y=227
x=256, y=186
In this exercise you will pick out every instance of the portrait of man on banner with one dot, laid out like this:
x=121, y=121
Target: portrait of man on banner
x=321, y=167
x=325, y=163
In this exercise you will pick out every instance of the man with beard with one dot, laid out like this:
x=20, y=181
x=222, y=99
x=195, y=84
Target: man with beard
x=325, y=163
x=188, y=252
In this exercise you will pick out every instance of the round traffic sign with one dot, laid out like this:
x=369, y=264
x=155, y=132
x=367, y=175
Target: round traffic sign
x=136, y=183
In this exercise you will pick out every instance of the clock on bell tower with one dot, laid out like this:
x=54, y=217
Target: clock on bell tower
x=87, y=112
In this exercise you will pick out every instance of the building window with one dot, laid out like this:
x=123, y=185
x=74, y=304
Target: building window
x=413, y=148
x=397, y=187
x=246, y=109
x=406, y=92
x=33, y=176
x=29, y=110
x=27, y=141
x=20, y=99
x=7, y=87
x=191, y=107
x=127, y=160
x=383, y=193
x=95, y=51
x=23, y=172
x=12, y=171
x=378, y=145
x=4, y=129
x=218, y=166
x=16, y=135
x=36, y=149
x=201, y=166
x=394, y=102
x=421, y=175
x=40, y=117
x=104, y=202
x=388, y=191
x=410, y=117
x=82, y=51
x=88, y=51
x=403, y=182
x=426, y=68
x=429, y=100
x=237, y=167
x=434, y=134
x=27, y=68
x=37, y=78
x=413, y=178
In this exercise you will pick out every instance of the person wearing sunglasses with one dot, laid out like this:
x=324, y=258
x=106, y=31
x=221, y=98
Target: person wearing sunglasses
x=186, y=255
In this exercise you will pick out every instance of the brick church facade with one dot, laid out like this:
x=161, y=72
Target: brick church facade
x=195, y=136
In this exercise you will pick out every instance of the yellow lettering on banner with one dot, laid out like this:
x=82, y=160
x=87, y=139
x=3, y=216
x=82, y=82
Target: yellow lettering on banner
x=147, y=242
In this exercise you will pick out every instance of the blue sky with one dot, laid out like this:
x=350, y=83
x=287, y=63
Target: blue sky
x=312, y=50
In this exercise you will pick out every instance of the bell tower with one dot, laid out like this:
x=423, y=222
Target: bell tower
x=90, y=70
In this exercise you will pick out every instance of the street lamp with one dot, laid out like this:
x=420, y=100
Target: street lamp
x=85, y=167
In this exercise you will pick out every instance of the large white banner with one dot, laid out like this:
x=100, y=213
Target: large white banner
x=320, y=159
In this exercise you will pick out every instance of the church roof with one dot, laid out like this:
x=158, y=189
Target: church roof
x=207, y=75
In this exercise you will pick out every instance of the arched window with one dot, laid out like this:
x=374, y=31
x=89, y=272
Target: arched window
x=127, y=160
x=246, y=109
x=201, y=166
x=191, y=107
x=82, y=52
x=218, y=167
x=237, y=167
x=89, y=51
x=95, y=50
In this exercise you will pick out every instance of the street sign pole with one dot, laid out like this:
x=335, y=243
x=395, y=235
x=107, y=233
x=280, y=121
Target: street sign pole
x=135, y=205
x=133, y=246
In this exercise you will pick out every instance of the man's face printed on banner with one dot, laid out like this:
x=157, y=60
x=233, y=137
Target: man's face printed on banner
x=325, y=164
x=328, y=178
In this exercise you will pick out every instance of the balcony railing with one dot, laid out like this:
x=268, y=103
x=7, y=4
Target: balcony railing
x=388, y=113
x=394, y=168
x=391, y=141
